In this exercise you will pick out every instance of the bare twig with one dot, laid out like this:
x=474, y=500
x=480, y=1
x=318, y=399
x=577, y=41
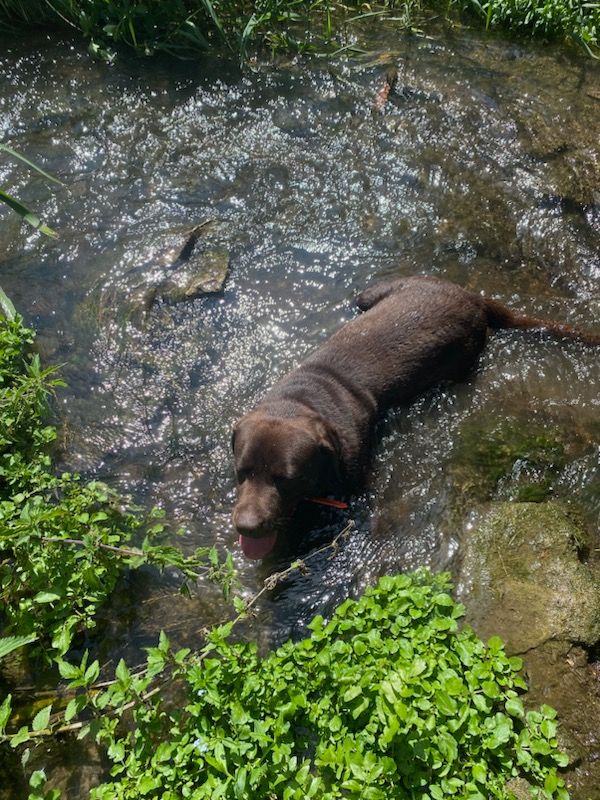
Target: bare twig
x=297, y=566
x=79, y=543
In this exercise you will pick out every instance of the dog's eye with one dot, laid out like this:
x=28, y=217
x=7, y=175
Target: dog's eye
x=283, y=482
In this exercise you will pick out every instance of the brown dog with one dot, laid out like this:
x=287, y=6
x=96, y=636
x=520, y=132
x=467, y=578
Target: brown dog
x=313, y=431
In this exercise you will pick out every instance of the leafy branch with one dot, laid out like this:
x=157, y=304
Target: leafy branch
x=386, y=700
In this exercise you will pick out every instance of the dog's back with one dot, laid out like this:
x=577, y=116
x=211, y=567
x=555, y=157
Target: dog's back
x=418, y=332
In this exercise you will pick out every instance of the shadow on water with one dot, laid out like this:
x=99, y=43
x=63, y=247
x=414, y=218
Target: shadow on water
x=483, y=168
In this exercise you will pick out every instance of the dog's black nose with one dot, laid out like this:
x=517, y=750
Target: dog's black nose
x=247, y=521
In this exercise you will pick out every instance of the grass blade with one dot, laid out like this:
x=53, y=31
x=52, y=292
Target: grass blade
x=216, y=21
x=252, y=23
x=10, y=643
x=27, y=215
x=29, y=163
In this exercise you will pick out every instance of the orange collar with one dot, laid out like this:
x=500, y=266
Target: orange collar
x=326, y=501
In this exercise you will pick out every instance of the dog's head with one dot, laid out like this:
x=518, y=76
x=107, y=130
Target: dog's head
x=277, y=463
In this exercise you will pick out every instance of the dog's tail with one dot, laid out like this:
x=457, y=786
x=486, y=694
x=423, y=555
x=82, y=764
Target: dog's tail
x=499, y=316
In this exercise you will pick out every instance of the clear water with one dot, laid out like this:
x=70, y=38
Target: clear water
x=484, y=168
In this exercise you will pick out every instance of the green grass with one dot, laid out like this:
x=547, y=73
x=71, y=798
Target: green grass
x=16, y=205
x=551, y=19
x=182, y=27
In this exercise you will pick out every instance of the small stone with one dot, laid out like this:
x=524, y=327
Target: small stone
x=210, y=272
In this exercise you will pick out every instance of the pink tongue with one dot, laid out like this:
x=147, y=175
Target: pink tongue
x=257, y=548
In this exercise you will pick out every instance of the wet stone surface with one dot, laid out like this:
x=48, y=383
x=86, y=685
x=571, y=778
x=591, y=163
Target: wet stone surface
x=525, y=575
x=202, y=274
x=522, y=577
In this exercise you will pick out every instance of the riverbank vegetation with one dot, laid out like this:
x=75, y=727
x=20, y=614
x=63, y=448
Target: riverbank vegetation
x=574, y=20
x=183, y=27
x=64, y=542
x=386, y=700
x=391, y=698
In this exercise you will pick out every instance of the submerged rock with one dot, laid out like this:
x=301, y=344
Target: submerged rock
x=516, y=460
x=569, y=149
x=188, y=272
x=178, y=245
x=203, y=273
x=524, y=578
x=179, y=265
x=184, y=271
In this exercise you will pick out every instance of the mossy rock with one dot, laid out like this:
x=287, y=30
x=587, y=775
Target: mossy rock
x=512, y=460
x=522, y=577
x=204, y=273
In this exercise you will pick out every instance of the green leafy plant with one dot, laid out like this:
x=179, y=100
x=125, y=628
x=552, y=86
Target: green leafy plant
x=388, y=699
x=63, y=543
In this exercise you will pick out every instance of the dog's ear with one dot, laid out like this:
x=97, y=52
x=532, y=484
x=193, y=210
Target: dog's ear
x=330, y=448
x=372, y=295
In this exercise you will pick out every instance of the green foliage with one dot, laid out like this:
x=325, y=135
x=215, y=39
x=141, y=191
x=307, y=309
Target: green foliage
x=184, y=26
x=63, y=543
x=389, y=699
x=556, y=19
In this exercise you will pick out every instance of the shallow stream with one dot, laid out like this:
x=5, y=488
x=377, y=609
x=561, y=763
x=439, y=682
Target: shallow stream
x=484, y=168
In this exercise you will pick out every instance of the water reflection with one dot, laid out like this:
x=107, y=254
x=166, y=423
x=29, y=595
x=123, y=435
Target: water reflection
x=481, y=169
